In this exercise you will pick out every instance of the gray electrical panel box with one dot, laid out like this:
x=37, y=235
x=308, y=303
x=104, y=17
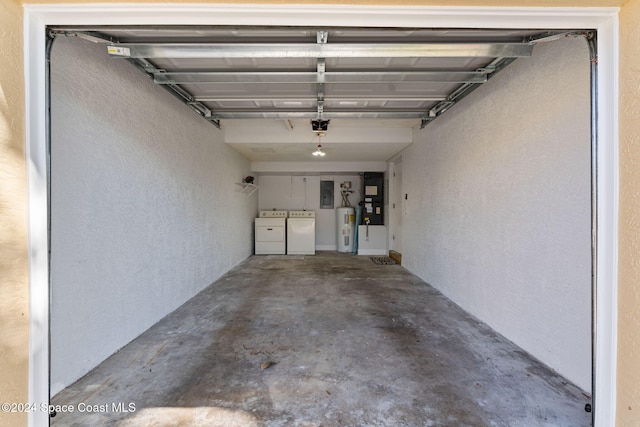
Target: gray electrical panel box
x=326, y=194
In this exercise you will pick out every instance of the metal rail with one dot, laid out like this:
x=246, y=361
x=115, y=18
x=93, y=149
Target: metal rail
x=310, y=77
x=319, y=50
x=592, y=42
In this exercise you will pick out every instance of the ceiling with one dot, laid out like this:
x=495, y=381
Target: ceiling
x=264, y=85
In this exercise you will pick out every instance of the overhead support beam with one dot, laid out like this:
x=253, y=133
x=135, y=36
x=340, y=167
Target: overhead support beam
x=321, y=77
x=319, y=50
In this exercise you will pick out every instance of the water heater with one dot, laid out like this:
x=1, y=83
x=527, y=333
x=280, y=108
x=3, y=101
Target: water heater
x=346, y=227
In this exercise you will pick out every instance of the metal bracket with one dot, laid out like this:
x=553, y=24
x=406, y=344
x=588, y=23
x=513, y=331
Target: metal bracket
x=465, y=89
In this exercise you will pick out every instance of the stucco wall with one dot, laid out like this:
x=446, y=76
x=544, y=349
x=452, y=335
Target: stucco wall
x=628, y=399
x=498, y=210
x=144, y=207
x=14, y=315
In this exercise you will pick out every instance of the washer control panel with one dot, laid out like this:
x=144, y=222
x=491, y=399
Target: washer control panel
x=273, y=214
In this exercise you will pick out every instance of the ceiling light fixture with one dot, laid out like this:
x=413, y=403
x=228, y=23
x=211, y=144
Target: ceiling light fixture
x=319, y=152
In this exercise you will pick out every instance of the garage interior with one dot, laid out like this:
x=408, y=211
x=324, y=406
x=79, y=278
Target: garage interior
x=489, y=205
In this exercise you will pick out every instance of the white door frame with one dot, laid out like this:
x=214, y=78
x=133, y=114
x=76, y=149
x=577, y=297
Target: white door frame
x=604, y=20
x=395, y=198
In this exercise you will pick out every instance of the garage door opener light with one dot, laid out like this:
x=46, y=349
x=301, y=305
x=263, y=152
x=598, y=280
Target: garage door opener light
x=319, y=152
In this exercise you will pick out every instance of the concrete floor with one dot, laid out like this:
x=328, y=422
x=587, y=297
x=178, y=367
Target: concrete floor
x=353, y=344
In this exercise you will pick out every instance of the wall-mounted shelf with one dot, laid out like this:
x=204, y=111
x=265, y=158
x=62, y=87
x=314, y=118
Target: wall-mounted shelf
x=247, y=189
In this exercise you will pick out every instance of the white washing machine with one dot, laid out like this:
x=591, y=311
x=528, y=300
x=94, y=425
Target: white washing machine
x=271, y=233
x=301, y=233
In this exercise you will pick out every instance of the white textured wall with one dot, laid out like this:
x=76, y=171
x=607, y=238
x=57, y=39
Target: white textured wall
x=287, y=192
x=498, y=209
x=145, y=212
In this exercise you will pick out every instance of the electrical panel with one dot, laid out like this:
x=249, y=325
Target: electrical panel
x=326, y=194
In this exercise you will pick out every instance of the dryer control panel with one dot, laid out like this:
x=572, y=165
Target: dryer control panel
x=302, y=214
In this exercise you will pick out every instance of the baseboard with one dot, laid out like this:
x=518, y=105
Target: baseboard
x=372, y=252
